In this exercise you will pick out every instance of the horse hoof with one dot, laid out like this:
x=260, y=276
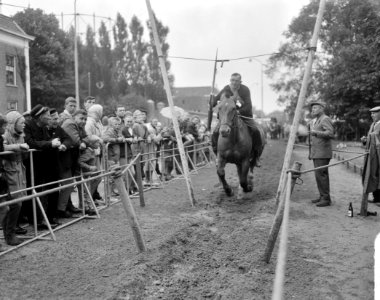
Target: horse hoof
x=248, y=189
x=229, y=192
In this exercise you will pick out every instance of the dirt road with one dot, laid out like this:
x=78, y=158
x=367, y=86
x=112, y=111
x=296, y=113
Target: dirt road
x=211, y=251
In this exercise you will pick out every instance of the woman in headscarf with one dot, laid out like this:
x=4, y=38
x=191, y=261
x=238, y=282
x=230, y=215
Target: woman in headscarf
x=14, y=171
x=94, y=127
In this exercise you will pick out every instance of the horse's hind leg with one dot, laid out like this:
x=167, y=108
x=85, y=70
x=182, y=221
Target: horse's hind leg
x=222, y=176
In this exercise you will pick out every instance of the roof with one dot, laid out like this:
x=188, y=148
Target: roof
x=199, y=91
x=10, y=26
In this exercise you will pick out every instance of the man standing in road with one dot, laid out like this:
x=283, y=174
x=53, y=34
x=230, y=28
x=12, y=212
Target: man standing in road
x=370, y=177
x=321, y=132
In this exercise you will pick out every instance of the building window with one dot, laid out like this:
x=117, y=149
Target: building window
x=10, y=69
x=12, y=105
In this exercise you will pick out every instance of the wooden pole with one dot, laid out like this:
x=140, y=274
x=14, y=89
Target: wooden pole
x=164, y=73
x=139, y=181
x=278, y=217
x=210, y=111
x=278, y=285
x=301, y=100
x=130, y=211
x=76, y=64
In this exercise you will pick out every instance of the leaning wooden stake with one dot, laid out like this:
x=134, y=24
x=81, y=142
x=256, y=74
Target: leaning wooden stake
x=130, y=211
x=139, y=181
x=301, y=100
x=278, y=217
x=164, y=73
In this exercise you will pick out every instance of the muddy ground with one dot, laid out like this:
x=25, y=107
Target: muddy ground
x=211, y=251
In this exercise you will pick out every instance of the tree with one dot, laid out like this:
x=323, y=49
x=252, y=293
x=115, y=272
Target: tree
x=154, y=89
x=346, y=72
x=105, y=63
x=51, y=65
x=120, y=33
x=137, y=52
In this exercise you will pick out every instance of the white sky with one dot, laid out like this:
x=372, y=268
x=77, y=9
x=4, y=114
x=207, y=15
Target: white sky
x=238, y=28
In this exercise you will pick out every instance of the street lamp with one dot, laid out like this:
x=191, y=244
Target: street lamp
x=262, y=81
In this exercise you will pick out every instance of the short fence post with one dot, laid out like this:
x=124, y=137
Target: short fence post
x=278, y=217
x=139, y=181
x=131, y=215
x=364, y=206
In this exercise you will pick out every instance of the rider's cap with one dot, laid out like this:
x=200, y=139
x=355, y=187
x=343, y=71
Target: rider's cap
x=375, y=109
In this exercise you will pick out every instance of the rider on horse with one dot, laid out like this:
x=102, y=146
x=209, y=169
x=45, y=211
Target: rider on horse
x=242, y=98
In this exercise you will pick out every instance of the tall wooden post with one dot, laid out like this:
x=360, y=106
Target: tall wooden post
x=301, y=100
x=210, y=111
x=76, y=63
x=278, y=217
x=185, y=166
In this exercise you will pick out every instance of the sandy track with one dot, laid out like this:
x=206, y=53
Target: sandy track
x=211, y=251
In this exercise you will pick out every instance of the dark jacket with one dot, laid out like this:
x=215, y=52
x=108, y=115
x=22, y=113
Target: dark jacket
x=60, y=160
x=321, y=143
x=35, y=138
x=111, y=136
x=371, y=177
x=127, y=135
x=244, y=99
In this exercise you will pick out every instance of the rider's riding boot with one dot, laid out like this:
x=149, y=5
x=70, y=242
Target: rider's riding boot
x=214, y=140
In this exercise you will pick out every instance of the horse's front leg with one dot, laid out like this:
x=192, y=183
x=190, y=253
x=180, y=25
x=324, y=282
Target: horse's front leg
x=222, y=176
x=243, y=169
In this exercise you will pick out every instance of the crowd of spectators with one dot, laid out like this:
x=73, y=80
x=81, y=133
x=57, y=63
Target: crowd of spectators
x=76, y=142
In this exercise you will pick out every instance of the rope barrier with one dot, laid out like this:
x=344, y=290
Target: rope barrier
x=334, y=150
x=326, y=166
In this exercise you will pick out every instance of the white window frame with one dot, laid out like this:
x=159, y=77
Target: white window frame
x=10, y=69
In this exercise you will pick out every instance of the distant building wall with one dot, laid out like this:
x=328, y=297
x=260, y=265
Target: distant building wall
x=13, y=95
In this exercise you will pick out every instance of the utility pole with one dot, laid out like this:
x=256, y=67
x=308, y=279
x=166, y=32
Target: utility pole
x=76, y=56
x=89, y=83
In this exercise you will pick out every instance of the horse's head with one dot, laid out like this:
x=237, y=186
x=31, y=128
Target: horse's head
x=227, y=114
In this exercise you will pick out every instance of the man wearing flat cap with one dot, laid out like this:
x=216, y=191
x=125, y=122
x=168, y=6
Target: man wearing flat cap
x=321, y=133
x=370, y=175
x=36, y=139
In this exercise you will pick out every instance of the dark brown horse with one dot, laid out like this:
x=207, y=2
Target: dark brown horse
x=234, y=146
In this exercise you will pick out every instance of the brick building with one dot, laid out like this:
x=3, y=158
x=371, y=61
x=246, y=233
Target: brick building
x=14, y=63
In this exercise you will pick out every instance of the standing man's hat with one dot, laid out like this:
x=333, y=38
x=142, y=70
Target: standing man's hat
x=317, y=102
x=38, y=110
x=375, y=109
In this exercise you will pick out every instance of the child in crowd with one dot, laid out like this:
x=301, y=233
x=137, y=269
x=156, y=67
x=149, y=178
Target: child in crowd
x=14, y=172
x=87, y=163
x=204, y=135
x=112, y=136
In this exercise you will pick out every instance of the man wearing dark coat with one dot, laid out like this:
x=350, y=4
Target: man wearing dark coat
x=242, y=97
x=370, y=177
x=60, y=163
x=321, y=131
x=36, y=139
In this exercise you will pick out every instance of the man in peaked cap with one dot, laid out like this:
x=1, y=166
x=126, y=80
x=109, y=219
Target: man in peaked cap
x=36, y=139
x=321, y=133
x=370, y=177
